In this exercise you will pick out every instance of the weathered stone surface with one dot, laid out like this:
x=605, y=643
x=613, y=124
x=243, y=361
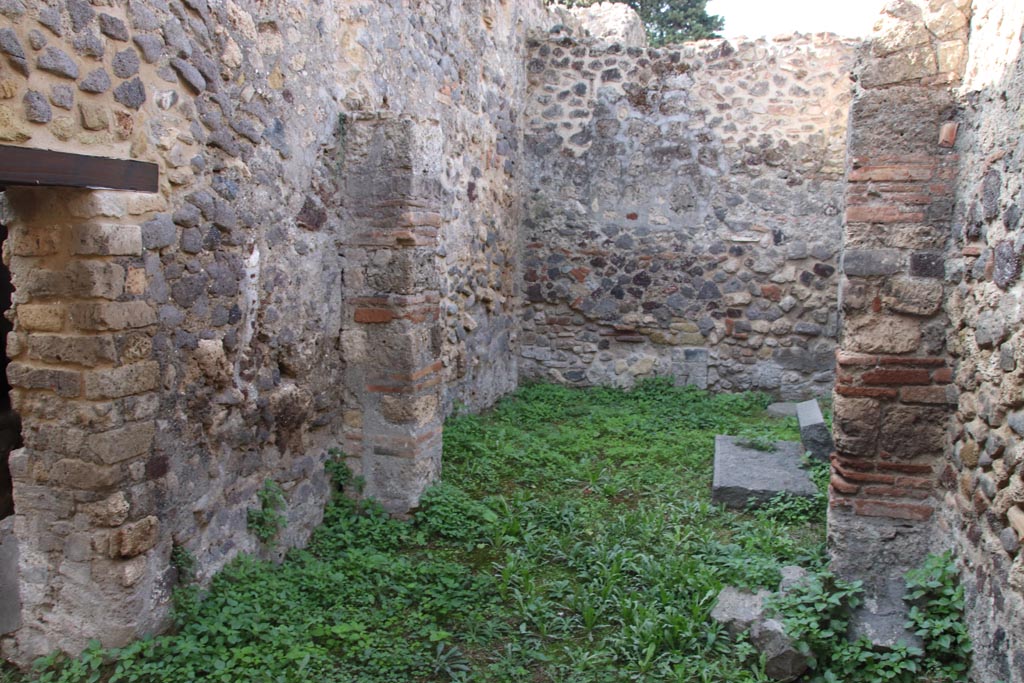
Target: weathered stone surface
x=189, y=74
x=913, y=296
x=745, y=476
x=113, y=27
x=81, y=12
x=62, y=96
x=135, y=538
x=868, y=262
x=125, y=63
x=37, y=109
x=882, y=334
x=152, y=46
x=11, y=46
x=131, y=94
x=57, y=62
x=109, y=512
x=97, y=81
x=88, y=44
x=792, y=576
x=1006, y=267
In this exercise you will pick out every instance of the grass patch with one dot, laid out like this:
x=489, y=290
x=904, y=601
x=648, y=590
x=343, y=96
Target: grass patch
x=572, y=540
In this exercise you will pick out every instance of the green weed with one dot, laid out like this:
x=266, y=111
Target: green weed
x=571, y=540
x=266, y=521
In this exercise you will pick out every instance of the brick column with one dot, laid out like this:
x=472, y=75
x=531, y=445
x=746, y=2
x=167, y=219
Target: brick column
x=84, y=384
x=392, y=342
x=893, y=395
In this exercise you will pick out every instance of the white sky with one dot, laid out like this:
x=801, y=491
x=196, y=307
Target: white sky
x=756, y=18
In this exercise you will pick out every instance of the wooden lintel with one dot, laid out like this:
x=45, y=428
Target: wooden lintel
x=45, y=168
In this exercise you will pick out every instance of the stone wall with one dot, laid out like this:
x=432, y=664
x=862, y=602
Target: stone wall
x=683, y=215
x=984, y=468
x=174, y=351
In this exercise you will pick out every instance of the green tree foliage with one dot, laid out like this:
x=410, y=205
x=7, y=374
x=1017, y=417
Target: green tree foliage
x=668, y=21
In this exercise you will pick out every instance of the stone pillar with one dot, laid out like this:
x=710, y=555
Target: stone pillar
x=84, y=384
x=391, y=333
x=893, y=395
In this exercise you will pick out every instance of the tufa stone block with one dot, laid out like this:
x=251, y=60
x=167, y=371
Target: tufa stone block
x=85, y=476
x=128, y=380
x=66, y=383
x=121, y=444
x=136, y=538
x=40, y=317
x=106, y=239
x=112, y=315
x=109, y=512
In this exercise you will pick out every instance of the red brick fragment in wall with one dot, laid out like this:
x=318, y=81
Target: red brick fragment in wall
x=374, y=315
x=867, y=392
x=912, y=361
x=947, y=134
x=840, y=485
x=878, y=508
x=882, y=214
x=896, y=377
x=930, y=395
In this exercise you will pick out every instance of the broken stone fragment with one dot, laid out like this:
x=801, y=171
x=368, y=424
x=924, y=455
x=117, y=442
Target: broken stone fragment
x=739, y=610
x=783, y=662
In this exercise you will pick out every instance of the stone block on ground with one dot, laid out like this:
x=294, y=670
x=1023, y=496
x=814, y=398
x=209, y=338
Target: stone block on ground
x=814, y=433
x=745, y=475
x=739, y=610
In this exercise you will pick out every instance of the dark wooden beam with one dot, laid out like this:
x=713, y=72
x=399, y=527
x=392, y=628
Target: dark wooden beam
x=43, y=168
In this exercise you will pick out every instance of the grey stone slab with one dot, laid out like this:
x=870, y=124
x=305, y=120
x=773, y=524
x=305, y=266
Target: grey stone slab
x=782, y=410
x=10, y=600
x=746, y=475
x=814, y=433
